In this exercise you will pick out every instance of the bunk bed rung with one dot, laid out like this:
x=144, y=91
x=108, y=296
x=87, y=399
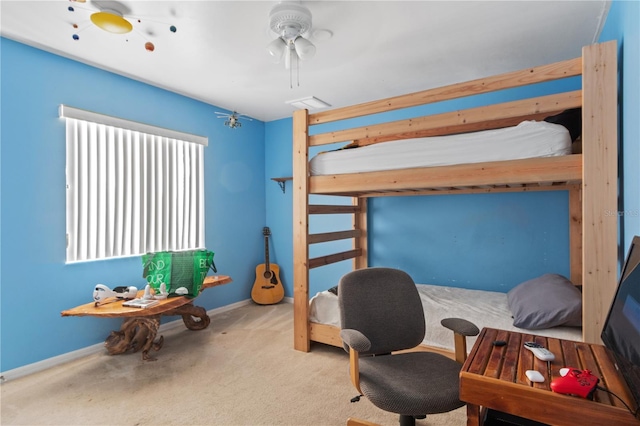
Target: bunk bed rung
x=333, y=258
x=333, y=236
x=327, y=209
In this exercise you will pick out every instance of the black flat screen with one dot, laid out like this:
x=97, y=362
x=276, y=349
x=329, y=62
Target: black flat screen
x=621, y=332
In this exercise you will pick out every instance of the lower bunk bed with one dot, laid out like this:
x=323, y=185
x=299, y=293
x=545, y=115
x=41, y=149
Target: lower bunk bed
x=483, y=308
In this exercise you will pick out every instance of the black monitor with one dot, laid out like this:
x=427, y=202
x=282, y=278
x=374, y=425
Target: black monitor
x=621, y=332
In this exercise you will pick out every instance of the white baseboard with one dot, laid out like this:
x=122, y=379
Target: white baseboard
x=98, y=347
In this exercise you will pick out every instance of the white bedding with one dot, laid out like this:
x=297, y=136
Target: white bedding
x=528, y=139
x=483, y=308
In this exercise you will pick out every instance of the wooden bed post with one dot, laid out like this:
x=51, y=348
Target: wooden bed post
x=360, y=242
x=301, y=336
x=575, y=234
x=600, y=184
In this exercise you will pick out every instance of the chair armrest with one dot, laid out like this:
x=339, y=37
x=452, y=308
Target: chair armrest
x=461, y=329
x=460, y=326
x=355, y=340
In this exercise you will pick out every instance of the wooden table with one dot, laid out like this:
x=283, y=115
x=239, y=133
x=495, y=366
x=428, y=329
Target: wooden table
x=140, y=326
x=493, y=377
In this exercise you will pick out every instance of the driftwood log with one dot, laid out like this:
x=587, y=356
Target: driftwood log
x=194, y=317
x=139, y=333
x=135, y=334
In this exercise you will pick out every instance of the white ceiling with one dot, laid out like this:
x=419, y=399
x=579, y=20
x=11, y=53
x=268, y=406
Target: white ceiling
x=378, y=49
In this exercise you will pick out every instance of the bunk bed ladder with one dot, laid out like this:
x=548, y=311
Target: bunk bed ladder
x=302, y=239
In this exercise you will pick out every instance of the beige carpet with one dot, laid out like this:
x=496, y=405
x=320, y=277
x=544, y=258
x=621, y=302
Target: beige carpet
x=241, y=370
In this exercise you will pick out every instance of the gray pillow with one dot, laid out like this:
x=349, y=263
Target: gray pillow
x=544, y=302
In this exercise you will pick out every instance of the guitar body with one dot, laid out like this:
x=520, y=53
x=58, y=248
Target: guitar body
x=267, y=288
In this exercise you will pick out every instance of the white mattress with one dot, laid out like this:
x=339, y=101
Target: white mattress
x=483, y=308
x=528, y=139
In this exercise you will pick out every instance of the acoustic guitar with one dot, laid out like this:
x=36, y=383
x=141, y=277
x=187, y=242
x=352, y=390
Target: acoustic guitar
x=267, y=289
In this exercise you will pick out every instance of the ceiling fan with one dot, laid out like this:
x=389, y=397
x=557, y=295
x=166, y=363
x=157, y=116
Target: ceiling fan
x=232, y=120
x=292, y=23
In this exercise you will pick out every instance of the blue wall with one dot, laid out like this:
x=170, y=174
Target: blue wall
x=487, y=241
x=36, y=283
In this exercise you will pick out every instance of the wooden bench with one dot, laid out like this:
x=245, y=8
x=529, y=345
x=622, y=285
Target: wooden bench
x=140, y=326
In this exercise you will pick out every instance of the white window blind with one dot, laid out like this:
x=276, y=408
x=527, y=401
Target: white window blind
x=131, y=188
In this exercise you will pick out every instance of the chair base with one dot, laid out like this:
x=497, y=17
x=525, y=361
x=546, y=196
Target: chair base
x=407, y=420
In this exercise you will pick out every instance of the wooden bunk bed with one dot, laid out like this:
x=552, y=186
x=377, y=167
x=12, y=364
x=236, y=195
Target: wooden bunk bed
x=589, y=177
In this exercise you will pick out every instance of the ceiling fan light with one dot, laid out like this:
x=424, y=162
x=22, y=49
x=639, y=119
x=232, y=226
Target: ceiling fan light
x=304, y=48
x=276, y=49
x=111, y=21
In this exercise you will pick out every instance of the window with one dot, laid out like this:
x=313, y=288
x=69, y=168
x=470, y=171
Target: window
x=131, y=188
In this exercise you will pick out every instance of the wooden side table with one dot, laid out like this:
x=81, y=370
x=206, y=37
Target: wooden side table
x=493, y=377
x=140, y=326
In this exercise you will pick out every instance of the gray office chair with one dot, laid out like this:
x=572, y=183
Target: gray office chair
x=381, y=313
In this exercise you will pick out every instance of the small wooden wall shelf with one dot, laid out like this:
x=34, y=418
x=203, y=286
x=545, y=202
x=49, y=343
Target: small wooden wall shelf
x=281, y=181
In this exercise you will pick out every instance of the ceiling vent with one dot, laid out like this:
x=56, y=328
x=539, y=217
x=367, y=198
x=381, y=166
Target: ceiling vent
x=309, y=103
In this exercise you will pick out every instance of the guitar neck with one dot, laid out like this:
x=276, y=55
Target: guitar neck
x=266, y=252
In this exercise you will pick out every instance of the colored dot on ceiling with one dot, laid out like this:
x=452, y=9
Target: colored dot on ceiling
x=149, y=46
x=76, y=37
x=70, y=9
x=173, y=28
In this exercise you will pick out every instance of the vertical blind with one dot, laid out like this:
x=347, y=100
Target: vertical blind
x=129, y=191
